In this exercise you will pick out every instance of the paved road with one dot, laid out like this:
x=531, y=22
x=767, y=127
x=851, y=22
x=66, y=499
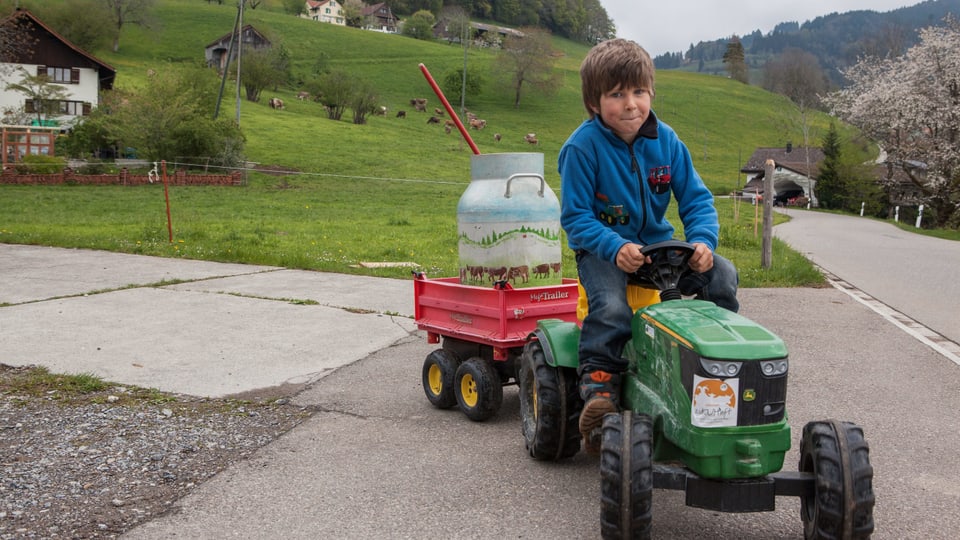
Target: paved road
x=377, y=461
x=915, y=274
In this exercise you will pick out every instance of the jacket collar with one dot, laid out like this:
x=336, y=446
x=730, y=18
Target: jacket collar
x=648, y=130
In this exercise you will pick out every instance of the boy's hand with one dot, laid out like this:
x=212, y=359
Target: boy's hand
x=629, y=258
x=701, y=260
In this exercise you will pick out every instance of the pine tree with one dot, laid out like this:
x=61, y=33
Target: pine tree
x=735, y=60
x=830, y=189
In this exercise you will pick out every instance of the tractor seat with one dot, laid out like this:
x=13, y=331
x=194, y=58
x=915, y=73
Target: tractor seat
x=638, y=297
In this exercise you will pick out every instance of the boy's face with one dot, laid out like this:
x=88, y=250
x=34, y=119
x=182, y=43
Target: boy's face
x=624, y=110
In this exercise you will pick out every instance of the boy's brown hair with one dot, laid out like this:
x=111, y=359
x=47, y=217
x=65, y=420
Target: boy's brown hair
x=612, y=63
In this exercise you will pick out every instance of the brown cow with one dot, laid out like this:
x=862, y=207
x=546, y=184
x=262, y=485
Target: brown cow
x=419, y=104
x=495, y=273
x=438, y=112
x=496, y=137
x=303, y=95
x=556, y=268
x=541, y=270
x=531, y=138
x=276, y=103
x=477, y=123
x=401, y=114
x=521, y=272
x=433, y=120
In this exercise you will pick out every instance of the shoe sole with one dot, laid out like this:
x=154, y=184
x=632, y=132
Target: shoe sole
x=591, y=419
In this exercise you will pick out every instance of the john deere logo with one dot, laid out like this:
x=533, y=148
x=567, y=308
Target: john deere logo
x=749, y=395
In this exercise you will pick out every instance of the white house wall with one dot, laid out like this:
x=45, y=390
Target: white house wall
x=86, y=91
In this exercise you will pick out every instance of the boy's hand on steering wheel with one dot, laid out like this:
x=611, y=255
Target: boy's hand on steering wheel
x=702, y=258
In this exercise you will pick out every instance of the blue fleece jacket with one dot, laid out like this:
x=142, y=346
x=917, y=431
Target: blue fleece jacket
x=613, y=193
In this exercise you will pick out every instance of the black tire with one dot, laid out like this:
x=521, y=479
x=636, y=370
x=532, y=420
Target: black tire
x=842, y=504
x=478, y=388
x=437, y=376
x=550, y=406
x=626, y=476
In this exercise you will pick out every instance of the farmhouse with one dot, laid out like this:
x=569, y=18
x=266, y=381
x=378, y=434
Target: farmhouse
x=327, y=11
x=380, y=18
x=78, y=75
x=218, y=53
x=795, y=173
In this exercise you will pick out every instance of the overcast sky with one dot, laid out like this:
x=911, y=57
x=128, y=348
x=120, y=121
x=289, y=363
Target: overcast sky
x=662, y=26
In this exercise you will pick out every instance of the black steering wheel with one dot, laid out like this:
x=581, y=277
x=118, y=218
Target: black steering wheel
x=669, y=263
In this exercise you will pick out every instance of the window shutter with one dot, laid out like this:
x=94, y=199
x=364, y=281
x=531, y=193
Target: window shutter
x=74, y=75
x=86, y=109
x=28, y=107
x=41, y=71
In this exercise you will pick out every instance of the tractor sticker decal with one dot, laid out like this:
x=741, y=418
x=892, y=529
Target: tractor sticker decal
x=714, y=402
x=648, y=328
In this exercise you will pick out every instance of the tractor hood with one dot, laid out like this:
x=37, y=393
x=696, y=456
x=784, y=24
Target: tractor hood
x=711, y=331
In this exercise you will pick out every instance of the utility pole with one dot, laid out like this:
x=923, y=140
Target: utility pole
x=239, y=50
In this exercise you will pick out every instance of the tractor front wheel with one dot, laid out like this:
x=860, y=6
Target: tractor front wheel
x=626, y=476
x=478, y=388
x=841, y=506
x=549, y=406
x=439, y=371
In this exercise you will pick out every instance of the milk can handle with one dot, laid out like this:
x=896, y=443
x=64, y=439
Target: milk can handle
x=521, y=175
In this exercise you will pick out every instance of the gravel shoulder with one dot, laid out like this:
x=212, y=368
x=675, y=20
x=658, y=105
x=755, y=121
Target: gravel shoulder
x=96, y=464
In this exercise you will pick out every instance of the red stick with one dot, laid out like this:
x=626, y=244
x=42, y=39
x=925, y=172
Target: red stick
x=446, y=105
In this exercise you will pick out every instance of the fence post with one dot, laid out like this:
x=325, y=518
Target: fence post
x=766, y=256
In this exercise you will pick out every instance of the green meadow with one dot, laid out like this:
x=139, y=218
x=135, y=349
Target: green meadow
x=386, y=191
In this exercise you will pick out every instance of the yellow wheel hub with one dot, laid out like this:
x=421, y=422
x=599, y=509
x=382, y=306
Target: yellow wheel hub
x=435, y=379
x=468, y=390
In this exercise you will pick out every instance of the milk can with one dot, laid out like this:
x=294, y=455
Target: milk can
x=508, y=223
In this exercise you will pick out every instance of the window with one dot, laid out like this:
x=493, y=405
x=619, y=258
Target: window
x=60, y=75
x=72, y=108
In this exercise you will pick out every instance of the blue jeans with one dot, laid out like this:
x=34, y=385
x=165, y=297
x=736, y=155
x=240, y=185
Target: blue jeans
x=606, y=328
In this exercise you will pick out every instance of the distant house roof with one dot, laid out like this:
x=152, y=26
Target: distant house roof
x=382, y=13
x=789, y=157
x=51, y=48
x=249, y=34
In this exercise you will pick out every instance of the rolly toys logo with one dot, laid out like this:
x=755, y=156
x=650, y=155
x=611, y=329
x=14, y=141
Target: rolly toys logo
x=659, y=179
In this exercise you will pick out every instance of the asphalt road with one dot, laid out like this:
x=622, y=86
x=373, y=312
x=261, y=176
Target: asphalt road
x=912, y=273
x=378, y=461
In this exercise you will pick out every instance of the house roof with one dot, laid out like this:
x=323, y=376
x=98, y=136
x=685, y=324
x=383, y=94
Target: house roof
x=374, y=8
x=788, y=157
x=246, y=31
x=106, y=72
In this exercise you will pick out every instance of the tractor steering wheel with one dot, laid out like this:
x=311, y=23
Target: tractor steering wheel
x=669, y=263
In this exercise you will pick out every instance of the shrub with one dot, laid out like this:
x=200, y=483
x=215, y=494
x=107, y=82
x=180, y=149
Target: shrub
x=38, y=164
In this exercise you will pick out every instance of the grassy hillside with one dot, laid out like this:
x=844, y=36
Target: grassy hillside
x=387, y=190
x=722, y=121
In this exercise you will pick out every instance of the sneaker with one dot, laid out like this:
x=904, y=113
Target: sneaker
x=599, y=392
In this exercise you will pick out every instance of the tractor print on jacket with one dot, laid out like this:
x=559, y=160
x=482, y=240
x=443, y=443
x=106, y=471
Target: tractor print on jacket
x=613, y=213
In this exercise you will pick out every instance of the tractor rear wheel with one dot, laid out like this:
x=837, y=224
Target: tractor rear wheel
x=841, y=506
x=439, y=371
x=626, y=476
x=478, y=388
x=550, y=406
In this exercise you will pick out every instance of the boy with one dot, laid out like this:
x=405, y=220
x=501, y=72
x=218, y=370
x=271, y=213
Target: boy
x=618, y=170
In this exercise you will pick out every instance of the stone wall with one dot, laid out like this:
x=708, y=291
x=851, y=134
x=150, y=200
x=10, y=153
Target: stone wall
x=123, y=178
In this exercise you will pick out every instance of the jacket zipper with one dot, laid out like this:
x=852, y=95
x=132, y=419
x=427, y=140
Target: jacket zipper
x=635, y=167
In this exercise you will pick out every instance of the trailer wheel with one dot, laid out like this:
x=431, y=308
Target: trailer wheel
x=478, y=388
x=626, y=476
x=549, y=406
x=842, y=503
x=439, y=371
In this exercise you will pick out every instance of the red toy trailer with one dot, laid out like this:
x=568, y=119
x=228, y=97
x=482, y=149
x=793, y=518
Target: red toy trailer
x=483, y=331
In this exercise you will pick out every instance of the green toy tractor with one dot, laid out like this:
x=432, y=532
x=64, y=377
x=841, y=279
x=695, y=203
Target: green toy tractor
x=703, y=410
